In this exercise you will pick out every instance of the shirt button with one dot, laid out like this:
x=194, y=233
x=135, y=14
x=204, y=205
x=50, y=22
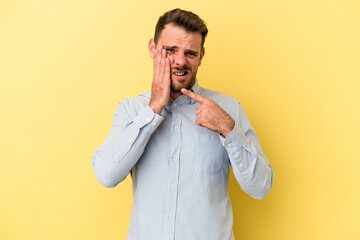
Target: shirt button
x=176, y=127
x=229, y=144
x=169, y=216
x=175, y=105
x=130, y=140
x=147, y=119
x=240, y=165
x=154, y=124
x=172, y=186
x=174, y=156
x=223, y=144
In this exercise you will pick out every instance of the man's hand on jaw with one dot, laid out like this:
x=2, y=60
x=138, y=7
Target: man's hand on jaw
x=160, y=90
x=210, y=114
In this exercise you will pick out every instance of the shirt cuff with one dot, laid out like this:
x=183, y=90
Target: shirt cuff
x=147, y=116
x=235, y=144
x=235, y=137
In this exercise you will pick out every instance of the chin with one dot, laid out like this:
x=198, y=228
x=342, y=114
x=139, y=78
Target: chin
x=178, y=86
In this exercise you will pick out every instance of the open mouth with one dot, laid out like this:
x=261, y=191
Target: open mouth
x=184, y=73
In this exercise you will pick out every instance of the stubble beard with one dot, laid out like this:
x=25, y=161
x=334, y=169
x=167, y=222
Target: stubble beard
x=177, y=88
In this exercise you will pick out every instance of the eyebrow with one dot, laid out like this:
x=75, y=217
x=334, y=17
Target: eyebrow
x=176, y=47
x=170, y=46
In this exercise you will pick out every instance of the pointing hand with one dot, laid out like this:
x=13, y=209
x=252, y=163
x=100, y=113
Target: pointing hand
x=210, y=114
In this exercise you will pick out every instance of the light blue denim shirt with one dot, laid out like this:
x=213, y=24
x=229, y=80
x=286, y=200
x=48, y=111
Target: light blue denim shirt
x=179, y=170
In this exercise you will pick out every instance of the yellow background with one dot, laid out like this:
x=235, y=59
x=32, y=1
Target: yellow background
x=65, y=65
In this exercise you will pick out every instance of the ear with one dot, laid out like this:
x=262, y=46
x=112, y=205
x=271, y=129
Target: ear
x=202, y=55
x=152, y=48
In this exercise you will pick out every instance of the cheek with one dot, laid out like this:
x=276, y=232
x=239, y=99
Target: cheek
x=194, y=65
x=171, y=58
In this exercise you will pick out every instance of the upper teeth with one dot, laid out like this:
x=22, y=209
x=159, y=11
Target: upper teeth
x=179, y=73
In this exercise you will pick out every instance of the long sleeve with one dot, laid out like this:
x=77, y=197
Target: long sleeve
x=250, y=166
x=125, y=143
x=179, y=168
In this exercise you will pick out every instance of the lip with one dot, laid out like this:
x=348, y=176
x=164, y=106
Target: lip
x=178, y=70
x=180, y=77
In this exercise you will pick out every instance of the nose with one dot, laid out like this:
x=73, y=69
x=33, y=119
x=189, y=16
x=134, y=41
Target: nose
x=179, y=60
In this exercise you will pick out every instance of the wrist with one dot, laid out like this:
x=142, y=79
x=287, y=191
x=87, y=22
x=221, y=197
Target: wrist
x=228, y=127
x=156, y=108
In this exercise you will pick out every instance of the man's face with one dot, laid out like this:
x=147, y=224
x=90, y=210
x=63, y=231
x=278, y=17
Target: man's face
x=184, y=51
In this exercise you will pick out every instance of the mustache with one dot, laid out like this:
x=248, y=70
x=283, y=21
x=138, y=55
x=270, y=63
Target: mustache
x=184, y=68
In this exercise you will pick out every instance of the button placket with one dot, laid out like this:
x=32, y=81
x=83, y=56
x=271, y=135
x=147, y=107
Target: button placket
x=171, y=202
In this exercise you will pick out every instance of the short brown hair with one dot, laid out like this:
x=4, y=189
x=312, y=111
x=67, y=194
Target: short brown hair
x=185, y=19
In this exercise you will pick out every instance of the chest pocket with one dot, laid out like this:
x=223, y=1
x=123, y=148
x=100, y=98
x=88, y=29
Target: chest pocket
x=204, y=152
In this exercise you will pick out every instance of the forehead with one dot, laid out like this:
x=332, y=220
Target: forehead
x=173, y=35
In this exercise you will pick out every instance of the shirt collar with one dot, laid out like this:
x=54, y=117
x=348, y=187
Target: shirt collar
x=195, y=88
x=183, y=99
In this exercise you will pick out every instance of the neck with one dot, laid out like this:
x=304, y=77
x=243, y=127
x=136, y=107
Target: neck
x=175, y=95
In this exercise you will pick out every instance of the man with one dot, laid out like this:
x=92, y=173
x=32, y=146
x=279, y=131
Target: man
x=178, y=142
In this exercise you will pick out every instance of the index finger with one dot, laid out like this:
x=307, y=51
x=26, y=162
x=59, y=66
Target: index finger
x=200, y=99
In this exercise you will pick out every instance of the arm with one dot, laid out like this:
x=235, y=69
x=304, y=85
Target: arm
x=124, y=145
x=129, y=135
x=251, y=168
